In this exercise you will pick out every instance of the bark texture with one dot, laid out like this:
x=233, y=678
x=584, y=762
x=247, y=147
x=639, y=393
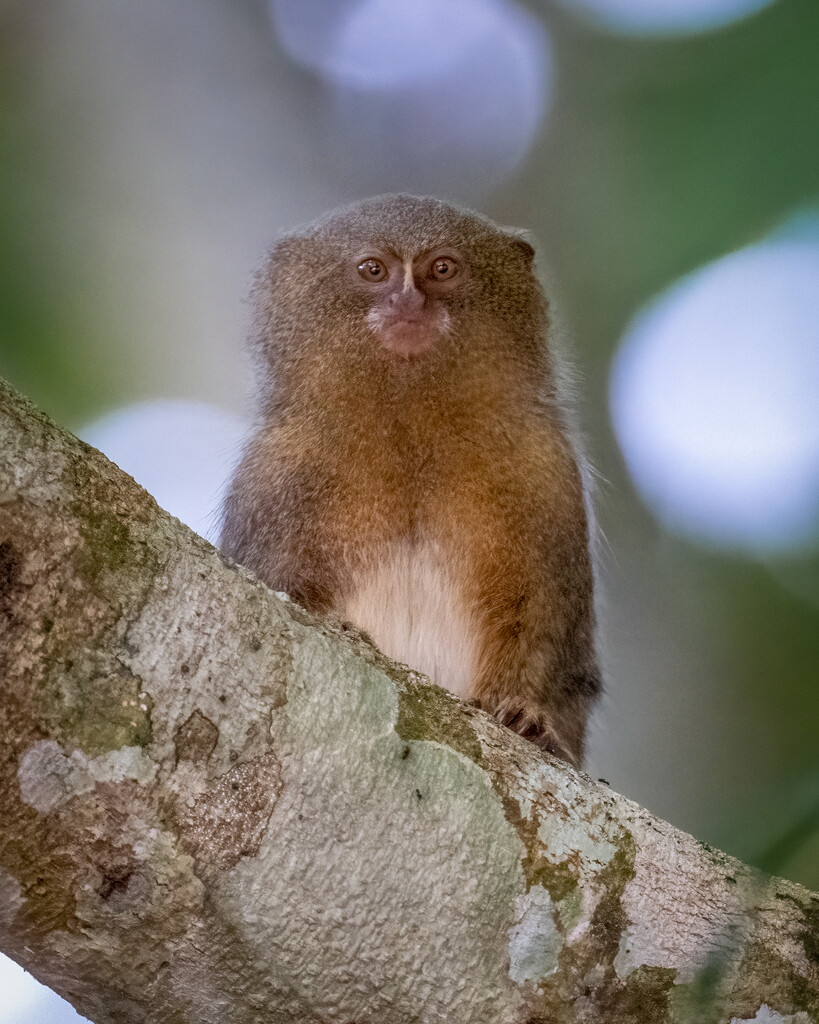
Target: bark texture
x=216, y=808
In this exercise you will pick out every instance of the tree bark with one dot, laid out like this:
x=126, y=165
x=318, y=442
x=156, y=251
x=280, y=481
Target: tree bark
x=216, y=808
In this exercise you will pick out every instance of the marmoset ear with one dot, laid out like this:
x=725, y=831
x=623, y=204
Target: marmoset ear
x=520, y=238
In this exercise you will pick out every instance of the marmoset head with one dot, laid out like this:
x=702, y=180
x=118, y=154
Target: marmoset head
x=398, y=282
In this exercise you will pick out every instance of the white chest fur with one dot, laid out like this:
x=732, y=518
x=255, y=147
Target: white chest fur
x=409, y=601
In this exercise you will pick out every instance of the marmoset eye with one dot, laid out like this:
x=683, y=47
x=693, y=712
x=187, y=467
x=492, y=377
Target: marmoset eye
x=444, y=269
x=373, y=270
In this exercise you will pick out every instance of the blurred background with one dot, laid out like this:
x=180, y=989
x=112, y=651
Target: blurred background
x=665, y=153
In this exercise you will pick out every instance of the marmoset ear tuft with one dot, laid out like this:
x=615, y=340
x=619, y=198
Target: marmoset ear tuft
x=520, y=238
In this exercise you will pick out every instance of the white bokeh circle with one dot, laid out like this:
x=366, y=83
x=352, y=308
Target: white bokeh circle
x=715, y=399
x=426, y=94
x=664, y=17
x=409, y=42
x=181, y=452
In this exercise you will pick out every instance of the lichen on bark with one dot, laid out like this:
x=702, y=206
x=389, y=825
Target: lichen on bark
x=218, y=807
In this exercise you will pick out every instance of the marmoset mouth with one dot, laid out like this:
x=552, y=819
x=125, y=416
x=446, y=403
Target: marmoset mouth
x=411, y=335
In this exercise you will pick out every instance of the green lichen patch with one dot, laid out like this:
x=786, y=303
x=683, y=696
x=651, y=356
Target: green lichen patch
x=84, y=563
x=64, y=630
x=609, y=921
x=586, y=985
x=426, y=712
x=111, y=562
x=97, y=704
x=121, y=545
x=559, y=880
x=107, y=544
x=764, y=976
x=570, y=910
x=645, y=996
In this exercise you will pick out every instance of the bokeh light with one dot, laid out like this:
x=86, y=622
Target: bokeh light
x=306, y=28
x=662, y=17
x=715, y=398
x=463, y=86
x=180, y=452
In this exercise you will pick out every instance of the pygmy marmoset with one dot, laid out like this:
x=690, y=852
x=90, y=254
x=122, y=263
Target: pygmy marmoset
x=414, y=471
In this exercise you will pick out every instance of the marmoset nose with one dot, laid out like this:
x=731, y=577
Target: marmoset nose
x=408, y=302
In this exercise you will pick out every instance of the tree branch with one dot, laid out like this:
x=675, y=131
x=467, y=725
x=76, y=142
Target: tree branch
x=217, y=808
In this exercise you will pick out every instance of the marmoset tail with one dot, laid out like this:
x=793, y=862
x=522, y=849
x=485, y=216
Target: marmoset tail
x=414, y=470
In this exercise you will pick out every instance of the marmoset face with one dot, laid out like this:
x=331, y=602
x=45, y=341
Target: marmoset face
x=393, y=283
x=407, y=295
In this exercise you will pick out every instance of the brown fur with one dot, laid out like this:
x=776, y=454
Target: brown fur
x=467, y=445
